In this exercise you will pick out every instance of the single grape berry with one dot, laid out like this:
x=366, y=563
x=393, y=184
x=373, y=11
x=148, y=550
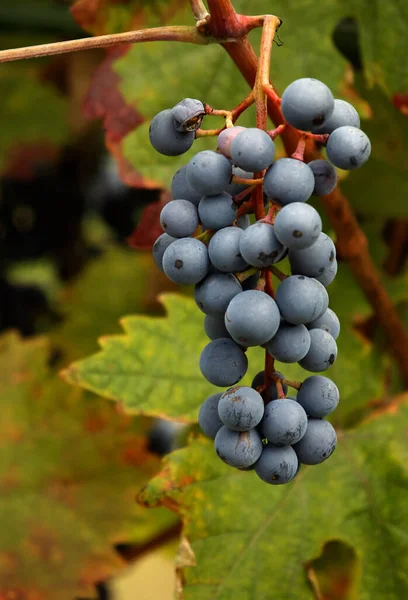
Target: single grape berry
x=223, y=362
x=226, y=138
x=179, y=218
x=209, y=173
x=253, y=149
x=277, y=465
x=252, y=318
x=329, y=321
x=301, y=299
x=241, y=408
x=215, y=292
x=343, y=114
x=322, y=352
x=165, y=138
x=181, y=189
x=307, y=103
x=314, y=260
x=188, y=114
x=186, y=261
x=214, y=326
x=325, y=176
x=329, y=274
x=238, y=449
x=236, y=188
x=319, y=396
x=259, y=380
x=284, y=422
x=318, y=443
x=289, y=180
x=217, y=211
x=297, y=225
x=223, y=250
x=208, y=417
x=348, y=148
x=159, y=248
x=259, y=245
x=290, y=344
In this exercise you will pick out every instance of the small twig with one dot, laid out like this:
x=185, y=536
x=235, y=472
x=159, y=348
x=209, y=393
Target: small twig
x=300, y=150
x=205, y=236
x=213, y=112
x=242, y=106
x=294, y=384
x=155, y=34
x=273, y=133
x=240, y=198
x=199, y=10
x=279, y=389
x=245, y=274
x=243, y=181
x=208, y=132
x=278, y=273
x=270, y=217
x=269, y=283
x=245, y=208
x=271, y=94
x=270, y=26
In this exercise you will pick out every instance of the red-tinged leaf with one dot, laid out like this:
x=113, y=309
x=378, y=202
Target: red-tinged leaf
x=400, y=101
x=149, y=228
x=23, y=160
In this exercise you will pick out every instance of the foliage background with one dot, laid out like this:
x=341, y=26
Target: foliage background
x=71, y=463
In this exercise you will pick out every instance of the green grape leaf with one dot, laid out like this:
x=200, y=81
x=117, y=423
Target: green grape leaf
x=251, y=540
x=70, y=467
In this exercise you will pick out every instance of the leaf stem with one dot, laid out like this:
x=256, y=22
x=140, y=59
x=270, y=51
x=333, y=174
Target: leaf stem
x=199, y=10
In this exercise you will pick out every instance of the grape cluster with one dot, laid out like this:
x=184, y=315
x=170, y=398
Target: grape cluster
x=260, y=427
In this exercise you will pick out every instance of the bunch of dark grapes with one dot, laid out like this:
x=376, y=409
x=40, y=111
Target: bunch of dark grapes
x=259, y=427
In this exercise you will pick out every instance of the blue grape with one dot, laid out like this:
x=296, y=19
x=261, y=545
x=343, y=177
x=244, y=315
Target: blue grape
x=179, y=218
x=277, y=465
x=284, y=422
x=226, y=138
x=165, y=138
x=329, y=274
x=297, y=225
x=314, y=260
x=259, y=380
x=318, y=395
x=253, y=149
x=241, y=408
x=236, y=188
x=217, y=211
x=322, y=352
x=223, y=362
x=259, y=245
x=289, y=180
x=238, y=449
x=215, y=292
x=223, y=250
x=343, y=114
x=348, y=148
x=188, y=114
x=318, y=443
x=329, y=321
x=301, y=299
x=252, y=318
x=159, y=248
x=290, y=344
x=214, y=326
x=209, y=172
x=208, y=417
x=325, y=176
x=186, y=261
x=307, y=103
x=181, y=189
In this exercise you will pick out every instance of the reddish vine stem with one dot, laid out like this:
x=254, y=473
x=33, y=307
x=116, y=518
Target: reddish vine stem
x=269, y=283
x=294, y=384
x=299, y=153
x=240, y=198
x=278, y=273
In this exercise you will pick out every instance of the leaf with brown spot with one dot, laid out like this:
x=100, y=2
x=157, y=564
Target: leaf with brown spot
x=335, y=574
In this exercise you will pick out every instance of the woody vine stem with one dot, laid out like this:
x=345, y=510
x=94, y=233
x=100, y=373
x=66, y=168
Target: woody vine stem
x=221, y=24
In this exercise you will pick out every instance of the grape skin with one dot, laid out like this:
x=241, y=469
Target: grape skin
x=290, y=344
x=253, y=149
x=329, y=321
x=329, y=274
x=238, y=449
x=179, y=218
x=223, y=362
x=209, y=172
x=318, y=443
x=159, y=248
x=215, y=292
x=314, y=260
x=301, y=299
x=259, y=245
x=223, y=250
x=348, y=148
x=325, y=177
x=188, y=114
x=322, y=352
x=289, y=180
x=343, y=114
x=277, y=465
x=214, y=326
x=241, y=408
x=217, y=211
x=181, y=189
x=319, y=396
x=297, y=226
x=208, y=417
x=226, y=138
x=284, y=422
x=186, y=261
x=307, y=103
x=165, y=138
x=252, y=318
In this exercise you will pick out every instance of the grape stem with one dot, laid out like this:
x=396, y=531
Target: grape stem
x=199, y=10
x=279, y=389
x=278, y=273
x=208, y=132
x=273, y=133
x=299, y=153
x=294, y=384
x=245, y=274
x=240, y=198
x=244, y=181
